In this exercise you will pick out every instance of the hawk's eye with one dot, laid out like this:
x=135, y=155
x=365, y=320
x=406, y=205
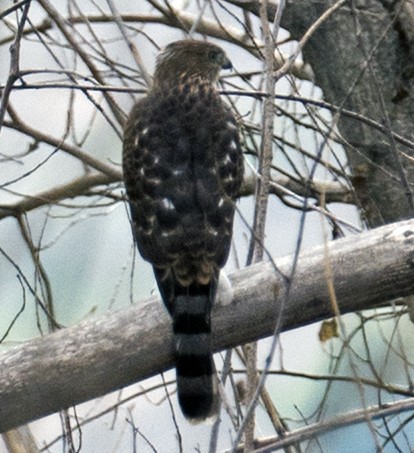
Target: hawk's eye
x=213, y=55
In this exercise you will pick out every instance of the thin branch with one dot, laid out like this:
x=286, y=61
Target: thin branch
x=206, y=27
x=332, y=107
x=347, y=419
x=15, y=7
x=131, y=46
x=14, y=64
x=256, y=249
x=266, y=148
x=62, y=25
x=87, y=159
x=73, y=189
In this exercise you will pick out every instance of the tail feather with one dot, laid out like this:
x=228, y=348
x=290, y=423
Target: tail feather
x=196, y=381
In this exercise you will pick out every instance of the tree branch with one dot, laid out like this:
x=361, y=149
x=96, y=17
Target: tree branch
x=62, y=25
x=18, y=125
x=14, y=64
x=272, y=444
x=57, y=194
x=186, y=19
x=280, y=186
x=119, y=348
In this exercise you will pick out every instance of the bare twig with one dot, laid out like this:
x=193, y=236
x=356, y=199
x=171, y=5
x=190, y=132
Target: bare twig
x=73, y=189
x=204, y=26
x=62, y=25
x=19, y=125
x=14, y=64
x=131, y=46
x=347, y=419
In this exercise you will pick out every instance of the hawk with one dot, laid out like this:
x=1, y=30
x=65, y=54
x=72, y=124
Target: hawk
x=183, y=168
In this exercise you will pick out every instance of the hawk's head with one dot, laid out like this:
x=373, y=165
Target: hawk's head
x=190, y=58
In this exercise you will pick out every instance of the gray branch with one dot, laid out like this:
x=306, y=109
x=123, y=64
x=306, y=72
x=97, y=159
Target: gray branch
x=119, y=348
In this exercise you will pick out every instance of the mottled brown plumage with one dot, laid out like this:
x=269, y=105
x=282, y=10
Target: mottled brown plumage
x=183, y=170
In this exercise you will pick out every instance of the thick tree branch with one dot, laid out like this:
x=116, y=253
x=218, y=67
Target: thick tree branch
x=114, y=350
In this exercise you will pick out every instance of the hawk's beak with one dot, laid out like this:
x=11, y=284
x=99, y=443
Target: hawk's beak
x=226, y=63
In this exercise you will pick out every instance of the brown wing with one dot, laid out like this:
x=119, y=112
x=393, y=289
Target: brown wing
x=183, y=170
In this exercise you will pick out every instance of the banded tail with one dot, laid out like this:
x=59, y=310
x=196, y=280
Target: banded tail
x=196, y=380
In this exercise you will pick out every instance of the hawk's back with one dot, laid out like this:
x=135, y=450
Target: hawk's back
x=183, y=171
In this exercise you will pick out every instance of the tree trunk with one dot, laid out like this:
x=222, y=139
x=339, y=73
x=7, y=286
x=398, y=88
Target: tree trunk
x=362, y=58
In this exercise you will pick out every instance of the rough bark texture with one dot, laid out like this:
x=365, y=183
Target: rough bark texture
x=362, y=58
x=338, y=52
x=114, y=350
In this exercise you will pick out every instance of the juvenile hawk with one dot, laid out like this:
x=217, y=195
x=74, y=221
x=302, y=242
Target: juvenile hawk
x=183, y=169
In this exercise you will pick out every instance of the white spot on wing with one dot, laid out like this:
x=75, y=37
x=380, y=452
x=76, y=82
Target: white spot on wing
x=167, y=203
x=233, y=145
x=148, y=230
x=213, y=231
x=226, y=160
x=155, y=181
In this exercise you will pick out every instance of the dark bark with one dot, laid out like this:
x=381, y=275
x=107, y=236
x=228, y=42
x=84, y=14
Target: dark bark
x=362, y=58
x=359, y=55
